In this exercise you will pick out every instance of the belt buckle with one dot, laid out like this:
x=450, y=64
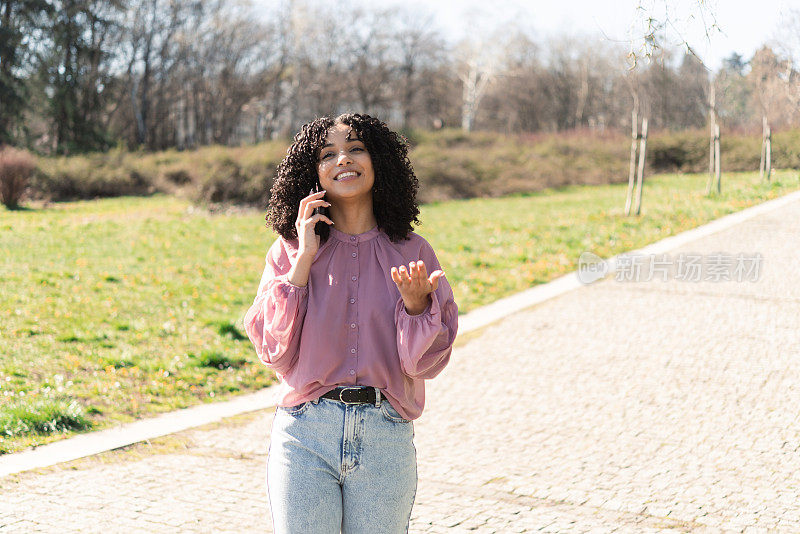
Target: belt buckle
x=341, y=392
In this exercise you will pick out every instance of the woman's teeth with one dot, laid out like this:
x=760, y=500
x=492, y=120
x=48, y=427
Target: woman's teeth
x=345, y=175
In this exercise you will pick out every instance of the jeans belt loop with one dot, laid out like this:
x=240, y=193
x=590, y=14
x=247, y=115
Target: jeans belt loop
x=377, y=397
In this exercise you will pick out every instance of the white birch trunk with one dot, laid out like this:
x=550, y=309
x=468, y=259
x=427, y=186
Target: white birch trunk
x=640, y=174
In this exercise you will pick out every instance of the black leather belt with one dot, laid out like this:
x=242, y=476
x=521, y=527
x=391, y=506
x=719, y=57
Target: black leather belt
x=354, y=395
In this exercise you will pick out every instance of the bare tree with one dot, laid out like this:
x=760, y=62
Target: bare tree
x=654, y=20
x=787, y=44
x=478, y=60
x=155, y=51
x=368, y=61
x=317, y=84
x=517, y=102
x=733, y=100
x=18, y=19
x=418, y=49
x=764, y=75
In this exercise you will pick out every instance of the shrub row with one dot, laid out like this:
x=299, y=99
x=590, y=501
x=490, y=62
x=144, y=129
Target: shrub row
x=214, y=174
x=688, y=151
x=449, y=163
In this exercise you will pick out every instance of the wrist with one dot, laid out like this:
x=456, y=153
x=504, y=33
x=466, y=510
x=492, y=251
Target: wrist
x=300, y=271
x=416, y=308
x=304, y=259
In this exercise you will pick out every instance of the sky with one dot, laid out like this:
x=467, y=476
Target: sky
x=744, y=25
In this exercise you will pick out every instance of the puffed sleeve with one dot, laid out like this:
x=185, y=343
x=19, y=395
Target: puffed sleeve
x=425, y=341
x=274, y=321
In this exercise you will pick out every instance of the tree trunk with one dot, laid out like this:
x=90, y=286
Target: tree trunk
x=188, y=118
x=583, y=93
x=762, y=167
x=717, y=164
x=768, y=164
x=5, y=70
x=632, y=170
x=407, y=93
x=640, y=174
x=712, y=138
x=142, y=127
x=468, y=101
x=474, y=86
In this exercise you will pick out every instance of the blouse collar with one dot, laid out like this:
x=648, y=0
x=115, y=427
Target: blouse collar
x=358, y=238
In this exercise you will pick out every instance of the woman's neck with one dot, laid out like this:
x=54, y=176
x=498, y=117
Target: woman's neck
x=352, y=218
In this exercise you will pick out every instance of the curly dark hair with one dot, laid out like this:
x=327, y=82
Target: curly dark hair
x=394, y=194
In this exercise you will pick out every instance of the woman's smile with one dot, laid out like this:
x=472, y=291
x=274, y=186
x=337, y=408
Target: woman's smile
x=346, y=176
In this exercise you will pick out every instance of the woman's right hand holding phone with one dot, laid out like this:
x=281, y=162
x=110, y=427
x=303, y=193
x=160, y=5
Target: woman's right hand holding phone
x=308, y=239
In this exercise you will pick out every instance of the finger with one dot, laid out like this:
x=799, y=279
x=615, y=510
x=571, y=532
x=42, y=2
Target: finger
x=404, y=274
x=434, y=278
x=308, y=210
x=396, y=276
x=421, y=277
x=412, y=271
x=301, y=210
x=314, y=219
x=304, y=202
x=423, y=271
x=313, y=204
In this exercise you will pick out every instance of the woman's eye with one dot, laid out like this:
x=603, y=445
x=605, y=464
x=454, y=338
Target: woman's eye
x=326, y=155
x=360, y=149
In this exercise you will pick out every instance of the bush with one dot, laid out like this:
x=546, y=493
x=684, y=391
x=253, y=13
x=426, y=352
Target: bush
x=16, y=169
x=111, y=174
x=682, y=151
x=688, y=151
x=454, y=164
x=449, y=163
x=227, y=182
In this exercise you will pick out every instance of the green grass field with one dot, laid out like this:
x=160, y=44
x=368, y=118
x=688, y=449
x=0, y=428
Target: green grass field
x=120, y=308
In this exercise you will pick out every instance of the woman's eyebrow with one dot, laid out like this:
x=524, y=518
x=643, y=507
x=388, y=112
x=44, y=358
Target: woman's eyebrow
x=349, y=140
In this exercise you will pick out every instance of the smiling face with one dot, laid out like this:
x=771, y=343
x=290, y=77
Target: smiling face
x=344, y=166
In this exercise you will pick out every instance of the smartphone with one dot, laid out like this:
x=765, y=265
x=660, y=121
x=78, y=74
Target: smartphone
x=322, y=210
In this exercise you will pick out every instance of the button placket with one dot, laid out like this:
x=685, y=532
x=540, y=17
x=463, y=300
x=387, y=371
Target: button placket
x=352, y=318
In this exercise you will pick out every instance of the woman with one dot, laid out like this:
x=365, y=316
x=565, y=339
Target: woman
x=351, y=321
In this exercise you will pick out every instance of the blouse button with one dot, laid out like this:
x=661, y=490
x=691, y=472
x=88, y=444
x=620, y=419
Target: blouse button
x=352, y=351
x=354, y=279
x=352, y=238
x=352, y=301
x=352, y=371
x=354, y=254
x=352, y=325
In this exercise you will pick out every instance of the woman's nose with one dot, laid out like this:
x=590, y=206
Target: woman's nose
x=343, y=158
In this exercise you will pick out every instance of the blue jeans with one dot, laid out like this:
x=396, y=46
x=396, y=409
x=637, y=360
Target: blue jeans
x=334, y=466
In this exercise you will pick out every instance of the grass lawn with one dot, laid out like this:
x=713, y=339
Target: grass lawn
x=120, y=308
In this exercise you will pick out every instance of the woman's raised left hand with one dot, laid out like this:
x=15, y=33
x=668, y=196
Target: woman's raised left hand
x=415, y=285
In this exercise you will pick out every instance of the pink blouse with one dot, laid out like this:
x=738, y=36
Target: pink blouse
x=349, y=325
